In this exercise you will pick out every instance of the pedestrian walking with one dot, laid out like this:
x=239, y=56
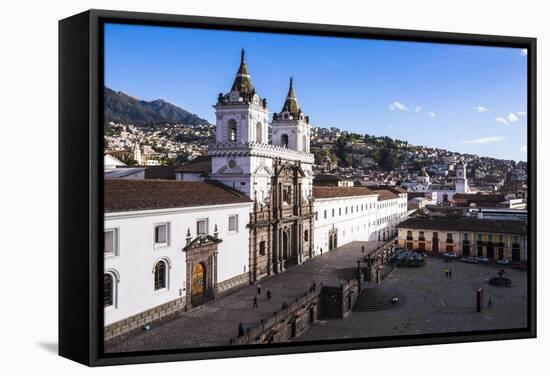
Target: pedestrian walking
x=446, y=272
x=241, y=329
x=489, y=303
x=450, y=273
x=268, y=294
x=259, y=289
x=255, y=305
x=284, y=306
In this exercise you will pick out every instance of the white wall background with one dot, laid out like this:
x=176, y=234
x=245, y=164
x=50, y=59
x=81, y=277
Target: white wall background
x=28, y=79
x=137, y=253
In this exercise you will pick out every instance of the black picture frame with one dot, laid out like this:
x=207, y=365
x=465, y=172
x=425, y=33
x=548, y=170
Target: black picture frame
x=80, y=179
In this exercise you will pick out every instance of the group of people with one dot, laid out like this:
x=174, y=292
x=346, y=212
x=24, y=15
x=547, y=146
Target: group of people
x=448, y=273
x=255, y=301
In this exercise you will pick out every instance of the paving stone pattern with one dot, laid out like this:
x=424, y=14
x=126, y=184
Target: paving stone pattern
x=433, y=303
x=215, y=322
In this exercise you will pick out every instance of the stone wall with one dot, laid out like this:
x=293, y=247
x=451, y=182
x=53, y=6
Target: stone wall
x=137, y=322
x=288, y=323
x=336, y=302
x=285, y=324
x=162, y=312
x=234, y=282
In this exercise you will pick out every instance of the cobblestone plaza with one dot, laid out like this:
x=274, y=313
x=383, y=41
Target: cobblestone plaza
x=433, y=303
x=430, y=302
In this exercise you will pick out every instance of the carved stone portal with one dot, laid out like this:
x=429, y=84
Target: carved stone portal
x=202, y=269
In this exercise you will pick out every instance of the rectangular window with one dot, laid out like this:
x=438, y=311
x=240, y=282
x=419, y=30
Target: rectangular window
x=333, y=212
x=262, y=248
x=325, y=214
x=202, y=226
x=465, y=236
x=161, y=234
x=233, y=223
x=111, y=242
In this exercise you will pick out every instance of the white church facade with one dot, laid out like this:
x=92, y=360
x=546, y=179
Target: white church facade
x=173, y=245
x=443, y=192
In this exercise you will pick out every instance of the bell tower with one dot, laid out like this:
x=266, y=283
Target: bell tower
x=241, y=115
x=461, y=182
x=290, y=128
x=242, y=120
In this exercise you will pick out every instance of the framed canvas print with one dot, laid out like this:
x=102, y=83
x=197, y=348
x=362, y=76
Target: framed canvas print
x=239, y=187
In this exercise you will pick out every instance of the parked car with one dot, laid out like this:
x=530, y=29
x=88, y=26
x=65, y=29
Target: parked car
x=450, y=254
x=469, y=260
x=519, y=266
x=482, y=260
x=503, y=261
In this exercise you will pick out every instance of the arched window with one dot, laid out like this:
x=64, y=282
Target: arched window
x=259, y=133
x=108, y=290
x=232, y=130
x=160, y=275
x=284, y=140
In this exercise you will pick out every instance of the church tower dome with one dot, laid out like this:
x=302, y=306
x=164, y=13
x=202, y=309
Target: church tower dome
x=291, y=106
x=242, y=90
x=241, y=115
x=290, y=128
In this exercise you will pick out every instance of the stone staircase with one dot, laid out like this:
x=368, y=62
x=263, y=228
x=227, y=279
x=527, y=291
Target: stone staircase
x=376, y=299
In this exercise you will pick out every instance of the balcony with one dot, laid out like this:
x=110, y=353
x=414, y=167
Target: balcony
x=421, y=239
x=409, y=238
x=449, y=241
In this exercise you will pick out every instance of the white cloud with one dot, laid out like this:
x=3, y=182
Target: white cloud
x=431, y=114
x=398, y=106
x=481, y=109
x=524, y=51
x=417, y=109
x=523, y=148
x=484, y=140
x=521, y=113
x=512, y=117
x=501, y=120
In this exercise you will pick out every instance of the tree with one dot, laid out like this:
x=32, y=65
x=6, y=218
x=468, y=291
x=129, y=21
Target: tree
x=128, y=160
x=388, y=159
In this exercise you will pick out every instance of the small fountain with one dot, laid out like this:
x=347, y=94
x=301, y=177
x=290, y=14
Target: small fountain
x=500, y=280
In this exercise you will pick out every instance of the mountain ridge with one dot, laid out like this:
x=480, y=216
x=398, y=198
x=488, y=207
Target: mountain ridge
x=120, y=107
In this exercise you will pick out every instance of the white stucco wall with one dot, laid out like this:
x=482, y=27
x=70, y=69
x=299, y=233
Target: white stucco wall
x=376, y=218
x=137, y=254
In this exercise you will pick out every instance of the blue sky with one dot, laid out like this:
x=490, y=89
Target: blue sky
x=462, y=98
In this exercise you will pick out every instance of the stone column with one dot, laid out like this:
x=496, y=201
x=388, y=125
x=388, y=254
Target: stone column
x=300, y=240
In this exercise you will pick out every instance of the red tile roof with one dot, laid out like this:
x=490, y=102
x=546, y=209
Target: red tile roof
x=201, y=164
x=332, y=192
x=138, y=194
x=385, y=194
x=465, y=224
